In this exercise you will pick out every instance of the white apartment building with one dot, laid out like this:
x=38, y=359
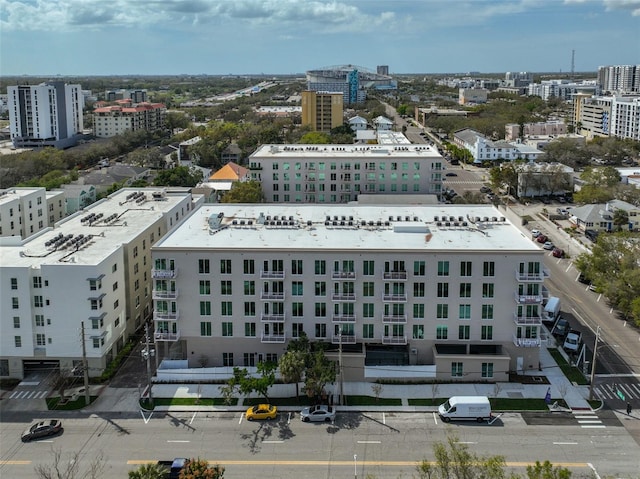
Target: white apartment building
x=625, y=117
x=339, y=173
x=563, y=89
x=448, y=292
x=483, y=149
x=617, y=116
x=25, y=211
x=48, y=114
x=94, y=268
x=619, y=78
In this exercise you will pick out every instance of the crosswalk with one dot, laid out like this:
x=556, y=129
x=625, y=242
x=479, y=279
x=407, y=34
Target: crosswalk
x=28, y=394
x=588, y=419
x=629, y=391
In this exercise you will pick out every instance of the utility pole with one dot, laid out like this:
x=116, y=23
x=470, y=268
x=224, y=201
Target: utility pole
x=593, y=364
x=85, y=368
x=340, y=365
x=148, y=358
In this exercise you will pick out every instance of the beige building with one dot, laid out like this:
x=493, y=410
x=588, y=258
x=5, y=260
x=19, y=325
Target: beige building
x=472, y=96
x=322, y=110
x=114, y=120
x=444, y=292
x=543, y=128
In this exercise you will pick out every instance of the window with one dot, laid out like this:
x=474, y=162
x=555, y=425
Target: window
x=442, y=311
x=297, y=329
x=321, y=330
x=116, y=303
x=418, y=331
x=464, y=332
x=465, y=290
x=203, y=266
x=456, y=370
x=486, y=333
x=205, y=328
x=487, y=290
x=249, y=308
x=441, y=332
x=37, y=282
x=205, y=308
x=321, y=310
x=296, y=288
x=296, y=266
x=16, y=322
x=249, y=288
x=489, y=268
x=205, y=286
x=321, y=288
x=320, y=266
x=15, y=303
x=367, y=331
x=97, y=342
x=39, y=320
x=225, y=266
x=367, y=310
x=271, y=358
x=367, y=288
x=368, y=268
x=41, y=339
x=443, y=268
x=250, y=330
x=465, y=268
x=227, y=328
x=227, y=359
x=249, y=266
x=419, y=268
x=37, y=301
x=225, y=287
x=297, y=310
x=226, y=308
x=487, y=311
x=465, y=311
x=97, y=323
x=418, y=290
x=487, y=370
x=114, y=268
x=418, y=311
x=93, y=285
x=443, y=290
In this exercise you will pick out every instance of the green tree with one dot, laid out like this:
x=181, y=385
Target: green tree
x=605, y=177
x=247, y=384
x=149, y=471
x=200, y=469
x=244, y=192
x=546, y=470
x=292, y=365
x=178, y=176
x=315, y=138
x=620, y=219
x=320, y=371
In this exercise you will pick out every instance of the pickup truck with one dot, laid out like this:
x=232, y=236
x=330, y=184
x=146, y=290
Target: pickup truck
x=173, y=467
x=572, y=341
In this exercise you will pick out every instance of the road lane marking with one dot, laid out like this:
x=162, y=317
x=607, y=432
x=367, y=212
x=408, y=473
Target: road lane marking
x=601, y=426
x=466, y=442
x=272, y=442
x=146, y=419
x=384, y=418
x=368, y=442
x=565, y=443
x=15, y=463
x=241, y=416
x=177, y=441
x=193, y=417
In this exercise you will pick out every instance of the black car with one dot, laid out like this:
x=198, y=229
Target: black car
x=42, y=429
x=451, y=174
x=561, y=328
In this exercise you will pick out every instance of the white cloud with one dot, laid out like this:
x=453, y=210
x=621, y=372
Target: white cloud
x=632, y=5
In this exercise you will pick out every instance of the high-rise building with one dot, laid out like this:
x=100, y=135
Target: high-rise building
x=323, y=111
x=48, y=114
x=382, y=70
x=518, y=79
x=619, y=78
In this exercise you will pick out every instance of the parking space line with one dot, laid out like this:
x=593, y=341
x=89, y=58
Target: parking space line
x=193, y=417
x=241, y=416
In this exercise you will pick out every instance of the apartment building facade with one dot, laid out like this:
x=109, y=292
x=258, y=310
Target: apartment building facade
x=483, y=149
x=555, y=127
x=94, y=268
x=48, y=114
x=617, y=116
x=114, y=120
x=448, y=292
x=339, y=173
x=323, y=111
x=619, y=78
x=25, y=211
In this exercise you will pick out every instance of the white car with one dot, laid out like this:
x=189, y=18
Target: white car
x=548, y=245
x=320, y=413
x=535, y=233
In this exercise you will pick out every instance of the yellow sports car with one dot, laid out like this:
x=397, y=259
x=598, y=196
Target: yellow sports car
x=261, y=411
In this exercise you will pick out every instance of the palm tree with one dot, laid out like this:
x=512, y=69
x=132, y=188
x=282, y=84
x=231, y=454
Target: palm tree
x=292, y=366
x=148, y=471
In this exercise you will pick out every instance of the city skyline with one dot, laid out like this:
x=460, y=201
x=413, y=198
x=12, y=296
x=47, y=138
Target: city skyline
x=88, y=37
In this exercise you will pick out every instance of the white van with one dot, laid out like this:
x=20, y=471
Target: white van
x=466, y=408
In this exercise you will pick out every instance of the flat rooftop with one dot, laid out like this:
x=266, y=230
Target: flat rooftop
x=345, y=227
x=93, y=233
x=344, y=152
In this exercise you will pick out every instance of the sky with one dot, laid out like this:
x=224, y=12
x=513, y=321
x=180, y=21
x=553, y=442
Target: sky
x=219, y=37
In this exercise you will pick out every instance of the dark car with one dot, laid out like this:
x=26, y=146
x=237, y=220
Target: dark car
x=583, y=279
x=451, y=174
x=561, y=328
x=42, y=429
x=541, y=238
x=558, y=252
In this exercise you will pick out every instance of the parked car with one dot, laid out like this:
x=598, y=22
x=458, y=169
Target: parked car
x=561, y=328
x=535, y=233
x=541, y=238
x=583, y=279
x=451, y=174
x=485, y=189
x=558, y=252
x=548, y=245
x=42, y=429
x=261, y=411
x=320, y=413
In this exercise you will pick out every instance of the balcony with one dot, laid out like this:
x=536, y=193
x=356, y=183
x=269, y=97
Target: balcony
x=161, y=335
x=343, y=318
x=309, y=178
x=527, y=320
x=528, y=298
x=343, y=297
x=526, y=342
x=394, y=318
x=271, y=274
x=394, y=339
x=395, y=275
x=165, y=316
x=273, y=338
x=159, y=294
x=343, y=339
x=272, y=318
x=532, y=277
x=343, y=275
x=266, y=295
x=164, y=273
x=394, y=298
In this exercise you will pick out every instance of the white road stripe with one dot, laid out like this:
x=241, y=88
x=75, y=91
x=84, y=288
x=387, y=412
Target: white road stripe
x=272, y=442
x=368, y=442
x=594, y=427
x=565, y=443
x=178, y=441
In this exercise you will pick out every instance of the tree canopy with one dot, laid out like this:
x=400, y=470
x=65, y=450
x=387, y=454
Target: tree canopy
x=244, y=192
x=178, y=176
